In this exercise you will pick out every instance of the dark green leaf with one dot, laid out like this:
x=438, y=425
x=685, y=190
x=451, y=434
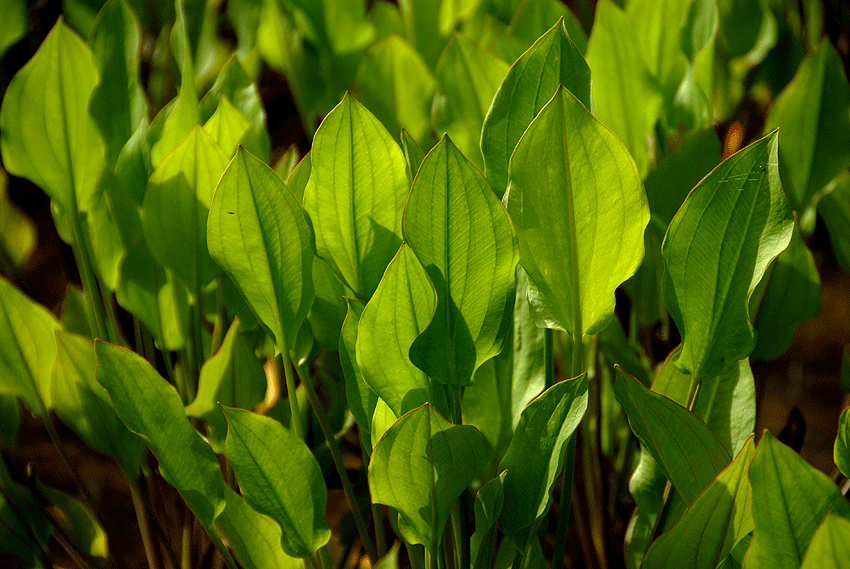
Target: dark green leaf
x=841, y=450
x=488, y=506
x=834, y=209
x=533, y=17
x=361, y=398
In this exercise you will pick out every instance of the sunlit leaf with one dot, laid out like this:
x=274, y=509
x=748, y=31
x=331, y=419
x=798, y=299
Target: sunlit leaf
x=830, y=546
x=413, y=154
x=841, y=450
x=531, y=82
x=420, y=467
x=580, y=212
x=356, y=195
x=790, y=500
x=464, y=238
x=533, y=17
x=535, y=456
x=421, y=19
x=259, y=235
x=27, y=348
x=279, y=477
x=227, y=126
x=716, y=251
x=48, y=135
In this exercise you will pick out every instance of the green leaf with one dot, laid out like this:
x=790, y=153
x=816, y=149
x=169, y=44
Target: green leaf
x=14, y=23
x=488, y=505
x=227, y=126
x=253, y=537
x=356, y=195
x=712, y=524
x=328, y=311
x=176, y=207
x=830, y=546
x=791, y=295
x=413, y=154
x=421, y=20
x=533, y=17
x=679, y=441
x=10, y=421
x=397, y=314
x=467, y=79
x=395, y=83
x=48, y=135
x=300, y=175
x=841, y=450
x=101, y=230
x=464, y=238
x=421, y=466
x=118, y=103
x=734, y=222
x=27, y=348
x=621, y=77
x=259, y=235
x=24, y=525
x=75, y=519
x=531, y=82
x=151, y=407
x=834, y=209
x=790, y=500
x=361, y=398
x=84, y=405
x=535, y=455
x=153, y=295
x=233, y=377
x=813, y=112
x=580, y=212
x=279, y=477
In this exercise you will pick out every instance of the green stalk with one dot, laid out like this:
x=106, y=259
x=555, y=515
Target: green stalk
x=380, y=538
x=295, y=411
x=568, y=466
x=97, y=312
x=417, y=555
x=548, y=358
x=359, y=519
x=324, y=558
x=144, y=525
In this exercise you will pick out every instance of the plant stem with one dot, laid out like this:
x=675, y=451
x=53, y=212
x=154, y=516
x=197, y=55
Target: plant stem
x=324, y=558
x=144, y=525
x=417, y=555
x=548, y=358
x=568, y=466
x=221, y=316
x=380, y=538
x=295, y=411
x=97, y=312
x=357, y=514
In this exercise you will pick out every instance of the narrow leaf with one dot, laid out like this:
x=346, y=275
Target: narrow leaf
x=259, y=235
x=580, y=211
x=488, y=506
x=279, y=477
x=535, y=455
x=464, y=238
x=361, y=398
x=420, y=467
x=355, y=196
x=531, y=82
x=715, y=252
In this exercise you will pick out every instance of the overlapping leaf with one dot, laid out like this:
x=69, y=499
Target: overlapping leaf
x=355, y=196
x=259, y=235
x=830, y=546
x=716, y=251
x=464, y=238
x=553, y=60
x=420, y=467
x=580, y=211
x=279, y=476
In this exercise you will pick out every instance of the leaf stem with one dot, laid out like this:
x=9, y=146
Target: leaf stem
x=295, y=411
x=97, y=312
x=144, y=524
x=380, y=538
x=357, y=514
x=548, y=358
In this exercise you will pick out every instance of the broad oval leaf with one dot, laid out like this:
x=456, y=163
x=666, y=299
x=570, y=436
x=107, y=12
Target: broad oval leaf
x=151, y=407
x=712, y=525
x=552, y=61
x=82, y=404
x=679, y=441
x=420, y=467
x=49, y=137
x=790, y=500
x=580, y=211
x=813, y=112
x=227, y=126
x=279, y=476
x=259, y=235
x=535, y=455
x=733, y=223
x=27, y=348
x=464, y=238
x=398, y=312
x=356, y=195
x=830, y=546
x=176, y=207
x=467, y=78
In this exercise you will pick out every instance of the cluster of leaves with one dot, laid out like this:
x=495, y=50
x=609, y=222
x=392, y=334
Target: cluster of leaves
x=460, y=226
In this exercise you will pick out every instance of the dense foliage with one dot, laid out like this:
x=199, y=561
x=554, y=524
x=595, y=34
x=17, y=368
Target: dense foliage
x=442, y=308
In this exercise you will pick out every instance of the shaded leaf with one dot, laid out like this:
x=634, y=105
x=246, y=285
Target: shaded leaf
x=488, y=506
x=279, y=477
x=580, y=212
x=841, y=449
x=535, y=455
x=48, y=135
x=533, y=17
x=531, y=82
x=77, y=521
x=734, y=222
x=361, y=398
x=259, y=235
x=834, y=209
x=355, y=196
x=462, y=235
x=420, y=467
x=790, y=500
